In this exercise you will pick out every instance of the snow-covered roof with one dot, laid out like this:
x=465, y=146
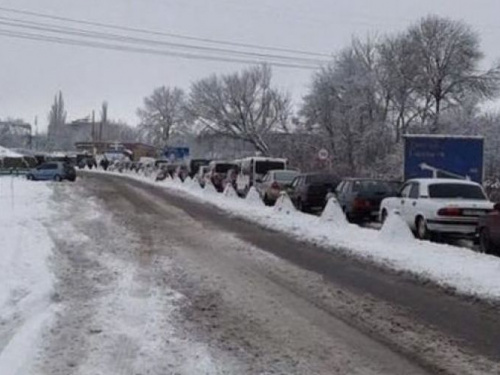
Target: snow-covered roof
x=7, y=153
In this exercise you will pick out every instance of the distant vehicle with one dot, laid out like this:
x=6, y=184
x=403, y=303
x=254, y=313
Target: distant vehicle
x=56, y=171
x=196, y=164
x=182, y=172
x=273, y=183
x=231, y=177
x=309, y=191
x=217, y=172
x=443, y=156
x=201, y=176
x=439, y=207
x=159, y=163
x=488, y=230
x=253, y=169
x=360, y=198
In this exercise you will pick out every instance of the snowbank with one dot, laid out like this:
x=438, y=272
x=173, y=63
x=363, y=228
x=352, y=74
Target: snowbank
x=334, y=214
x=461, y=269
x=395, y=229
x=253, y=198
x=284, y=204
x=229, y=191
x=26, y=283
x=6, y=153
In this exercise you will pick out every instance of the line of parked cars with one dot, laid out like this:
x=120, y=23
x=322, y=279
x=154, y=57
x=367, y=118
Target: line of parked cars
x=434, y=209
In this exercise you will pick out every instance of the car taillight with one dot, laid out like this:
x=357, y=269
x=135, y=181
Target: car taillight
x=450, y=211
x=360, y=203
x=275, y=185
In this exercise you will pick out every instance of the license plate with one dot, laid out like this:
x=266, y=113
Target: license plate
x=473, y=212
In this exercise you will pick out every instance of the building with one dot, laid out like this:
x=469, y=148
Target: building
x=15, y=134
x=137, y=149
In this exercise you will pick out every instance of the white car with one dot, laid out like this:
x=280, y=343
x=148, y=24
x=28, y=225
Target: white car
x=439, y=207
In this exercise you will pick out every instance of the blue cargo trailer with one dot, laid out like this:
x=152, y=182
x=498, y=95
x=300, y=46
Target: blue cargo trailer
x=444, y=156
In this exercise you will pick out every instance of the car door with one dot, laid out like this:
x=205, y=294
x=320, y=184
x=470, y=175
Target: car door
x=403, y=202
x=263, y=186
x=50, y=171
x=493, y=222
x=412, y=208
x=344, y=195
x=339, y=192
x=42, y=172
x=292, y=191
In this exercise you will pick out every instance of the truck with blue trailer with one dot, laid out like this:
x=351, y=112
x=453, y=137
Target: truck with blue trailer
x=444, y=156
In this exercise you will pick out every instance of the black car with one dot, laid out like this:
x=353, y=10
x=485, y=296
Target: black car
x=195, y=165
x=360, y=198
x=308, y=191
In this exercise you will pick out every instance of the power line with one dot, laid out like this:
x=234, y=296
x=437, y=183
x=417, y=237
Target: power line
x=124, y=48
x=123, y=38
x=159, y=33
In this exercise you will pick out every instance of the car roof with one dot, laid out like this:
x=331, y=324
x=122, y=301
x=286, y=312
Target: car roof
x=367, y=179
x=263, y=158
x=282, y=170
x=429, y=181
x=317, y=174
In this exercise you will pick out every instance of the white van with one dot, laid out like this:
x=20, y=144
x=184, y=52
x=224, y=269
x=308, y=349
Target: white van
x=254, y=168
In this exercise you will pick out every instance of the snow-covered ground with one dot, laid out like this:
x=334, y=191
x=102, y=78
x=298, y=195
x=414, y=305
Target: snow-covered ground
x=394, y=246
x=26, y=283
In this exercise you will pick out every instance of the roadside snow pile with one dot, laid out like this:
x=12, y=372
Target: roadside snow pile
x=452, y=267
x=209, y=189
x=253, y=198
x=284, y=204
x=395, y=229
x=7, y=153
x=26, y=283
x=334, y=214
x=229, y=191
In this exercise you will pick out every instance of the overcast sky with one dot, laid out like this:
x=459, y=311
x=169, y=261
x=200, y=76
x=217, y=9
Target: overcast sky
x=32, y=71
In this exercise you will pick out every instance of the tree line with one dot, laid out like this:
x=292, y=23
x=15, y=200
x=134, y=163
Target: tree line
x=426, y=79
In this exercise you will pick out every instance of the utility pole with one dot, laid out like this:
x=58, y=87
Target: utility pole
x=36, y=134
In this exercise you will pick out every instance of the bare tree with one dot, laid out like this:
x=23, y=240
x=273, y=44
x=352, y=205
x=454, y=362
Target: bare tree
x=349, y=107
x=448, y=56
x=57, y=120
x=241, y=105
x=164, y=112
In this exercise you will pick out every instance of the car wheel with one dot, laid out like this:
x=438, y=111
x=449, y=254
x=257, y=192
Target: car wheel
x=301, y=206
x=422, y=231
x=266, y=200
x=485, y=244
x=383, y=217
x=57, y=178
x=29, y=177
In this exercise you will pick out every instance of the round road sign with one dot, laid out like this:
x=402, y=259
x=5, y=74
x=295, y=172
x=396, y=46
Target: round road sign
x=323, y=154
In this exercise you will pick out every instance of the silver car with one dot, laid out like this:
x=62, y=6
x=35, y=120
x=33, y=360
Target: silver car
x=273, y=183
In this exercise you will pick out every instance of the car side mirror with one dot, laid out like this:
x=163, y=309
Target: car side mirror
x=496, y=207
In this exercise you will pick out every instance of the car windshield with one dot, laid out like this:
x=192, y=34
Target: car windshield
x=285, y=176
x=262, y=167
x=322, y=179
x=224, y=167
x=456, y=191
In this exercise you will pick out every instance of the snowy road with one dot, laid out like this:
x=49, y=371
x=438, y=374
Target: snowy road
x=151, y=283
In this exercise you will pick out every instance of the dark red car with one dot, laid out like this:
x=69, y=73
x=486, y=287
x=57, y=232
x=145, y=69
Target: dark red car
x=489, y=231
